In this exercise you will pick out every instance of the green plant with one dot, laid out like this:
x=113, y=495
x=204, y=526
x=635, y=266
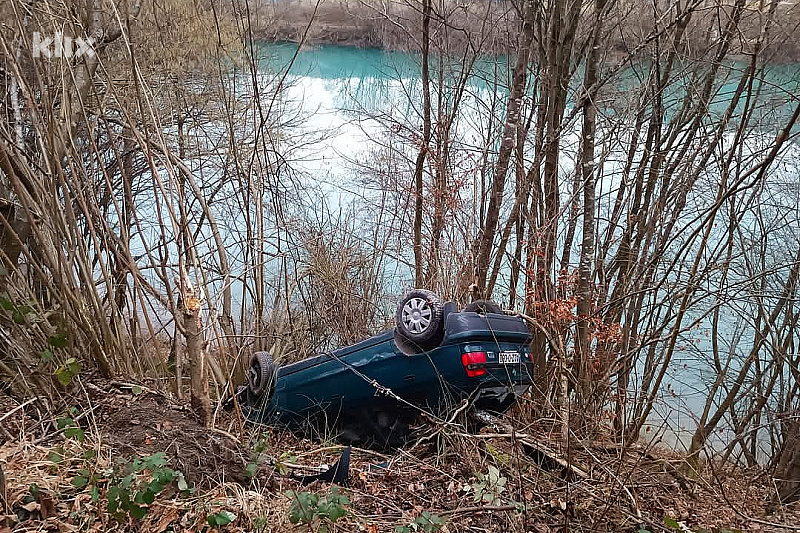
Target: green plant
x=260, y=524
x=308, y=508
x=490, y=486
x=70, y=427
x=68, y=371
x=25, y=314
x=426, y=521
x=20, y=313
x=285, y=457
x=252, y=467
x=144, y=479
x=222, y=518
x=676, y=525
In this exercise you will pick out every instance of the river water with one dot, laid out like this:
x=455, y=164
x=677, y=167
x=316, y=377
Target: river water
x=346, y=102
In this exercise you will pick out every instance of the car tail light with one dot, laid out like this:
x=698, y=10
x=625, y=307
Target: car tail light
x=474, y=363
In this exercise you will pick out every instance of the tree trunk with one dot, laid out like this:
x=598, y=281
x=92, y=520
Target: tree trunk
x=519, y=80
x=585, y=292
x=426, y=139
x=193, y=325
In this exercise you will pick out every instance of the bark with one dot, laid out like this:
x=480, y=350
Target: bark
x=585, y=292
x=426, y=139
x=518, y=214
x=519, y=80
x=198, y=376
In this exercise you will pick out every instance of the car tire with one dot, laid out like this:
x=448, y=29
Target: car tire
x=420, y=319
x=483, y=307
x=260, y=375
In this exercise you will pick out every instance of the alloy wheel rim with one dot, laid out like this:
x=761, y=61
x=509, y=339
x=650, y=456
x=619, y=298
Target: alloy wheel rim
x=416, y=315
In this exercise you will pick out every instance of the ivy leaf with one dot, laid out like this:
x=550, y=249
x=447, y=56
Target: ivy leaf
x=6, y=303
x=75, y=432
x=221, y=518
x=137, y=511
x=155, y=460
x=335, y=512
x=55, y=457
x=59, y=340
x=79, y=482
x=149, y=496
x=18, y=316
x=303, y=508
x=68, y=371
x=113, y=499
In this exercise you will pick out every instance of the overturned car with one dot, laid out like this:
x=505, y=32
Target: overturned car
x=372, y=391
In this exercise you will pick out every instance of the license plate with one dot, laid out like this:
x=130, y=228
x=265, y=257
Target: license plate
x=509, y=358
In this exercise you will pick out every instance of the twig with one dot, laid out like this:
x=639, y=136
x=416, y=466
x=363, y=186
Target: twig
x=740, y=513
x=464, y=405
x=527, y=440
x=124, y=385
x=480, y=509
x=3, y=495
x=339, y=448
x=223, y=433
x=17, y=408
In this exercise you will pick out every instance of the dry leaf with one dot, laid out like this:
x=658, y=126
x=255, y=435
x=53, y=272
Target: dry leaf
x=31, y=507
x=48, y=507
x=558, y=503
x=170, y=516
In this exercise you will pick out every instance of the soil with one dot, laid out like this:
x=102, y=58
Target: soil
x=148, y=423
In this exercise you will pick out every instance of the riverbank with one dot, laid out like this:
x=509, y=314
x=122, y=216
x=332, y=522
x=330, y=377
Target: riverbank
x=389, y=26
x=492, y=27
x=134, y=459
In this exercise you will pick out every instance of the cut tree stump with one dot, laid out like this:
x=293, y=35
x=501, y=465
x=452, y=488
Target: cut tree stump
x=198, y=376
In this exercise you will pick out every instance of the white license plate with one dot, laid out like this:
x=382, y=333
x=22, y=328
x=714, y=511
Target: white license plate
x=509, y=358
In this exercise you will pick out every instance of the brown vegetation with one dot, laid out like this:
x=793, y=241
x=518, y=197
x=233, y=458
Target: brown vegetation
x=147, y=193
x=622, y=490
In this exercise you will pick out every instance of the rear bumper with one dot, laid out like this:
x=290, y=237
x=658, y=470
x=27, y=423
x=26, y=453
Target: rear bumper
x=499, y=398
x=502, y=393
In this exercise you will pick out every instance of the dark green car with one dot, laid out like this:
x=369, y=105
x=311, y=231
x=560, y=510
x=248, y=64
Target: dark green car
x=429, y=364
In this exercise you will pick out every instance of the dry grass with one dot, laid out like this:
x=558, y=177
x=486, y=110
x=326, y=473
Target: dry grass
x=622, y=491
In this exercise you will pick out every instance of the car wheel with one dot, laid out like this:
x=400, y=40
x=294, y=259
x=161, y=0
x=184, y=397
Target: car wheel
x=483, y=307
x=420, y=318
x=260, y=375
